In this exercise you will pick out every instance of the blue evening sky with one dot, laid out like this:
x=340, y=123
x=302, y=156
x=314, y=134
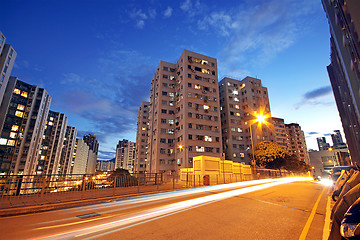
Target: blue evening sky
x=96, y=58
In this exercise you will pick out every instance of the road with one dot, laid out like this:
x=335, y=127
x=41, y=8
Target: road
x=263, y=209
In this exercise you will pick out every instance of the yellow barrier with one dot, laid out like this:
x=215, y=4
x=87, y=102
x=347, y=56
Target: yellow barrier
x=220, y=171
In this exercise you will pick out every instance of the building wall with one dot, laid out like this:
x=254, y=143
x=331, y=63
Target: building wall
x=296, y=141
x=67, y=152
x=91, y=162
x=240, y=102
x=142, y=138
x=184, y=113
x=280, y=133
x=23, y=118
x=81, y=157
x=125, y=155
x=7, y=60
x=344, y=70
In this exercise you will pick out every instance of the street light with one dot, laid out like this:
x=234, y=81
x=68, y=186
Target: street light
x=260, y=118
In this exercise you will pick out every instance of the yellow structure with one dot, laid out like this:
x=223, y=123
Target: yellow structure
x=219, y=171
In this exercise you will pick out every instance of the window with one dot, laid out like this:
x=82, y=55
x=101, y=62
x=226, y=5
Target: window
x=164, y=93
x=162, y=150
x=11, y=143
x=14, y=128
x=165, y=84
x=21, y=107
x=189, y=85
x=17, y=91
x=190, y=137
x=19, y=114
x=164, y=102
x=165, y=76
x=162, y=140
x=190, y=125
x=3, y=141
x=200, y=149
x=163, y=130
x=12, y=135
x=171, y=131
x=171, y=121
x=24, y=94
x=171, y=94
x=208, y=139
x=206, y=107
x=166, y=68
x=197, y=86
x=209, y=149
x=163, y=111
x=2, y=78
x=163, y=120
x=189, y=75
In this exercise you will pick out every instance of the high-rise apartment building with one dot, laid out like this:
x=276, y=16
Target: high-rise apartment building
x=92, y=142
x=67, y=152
x=344, y=70
x=337, y=140
x=241, y=102
x=296, y=141
x=322, y=144
x=81, y=152
x=184, y=113
x=23, y=115
x=7, y=60
x=142, y=138
x=52, y=144
x=280, y=132
x=125, y=155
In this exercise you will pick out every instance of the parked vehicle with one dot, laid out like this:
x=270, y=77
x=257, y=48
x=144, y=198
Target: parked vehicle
x=336, y=171
x=350, y=225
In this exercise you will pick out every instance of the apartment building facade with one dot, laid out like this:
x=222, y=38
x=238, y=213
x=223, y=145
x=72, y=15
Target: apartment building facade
x=142, y=138
x=125, y=155
x=23, y=115
x=280, y=132
x=52, y=144
x=344, y=70
x=7, y=60
x=241, y=102
x=184, y=113
x=296, y=141
x=67, y=152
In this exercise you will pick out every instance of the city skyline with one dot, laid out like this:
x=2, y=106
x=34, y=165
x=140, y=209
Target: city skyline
x=104, y=60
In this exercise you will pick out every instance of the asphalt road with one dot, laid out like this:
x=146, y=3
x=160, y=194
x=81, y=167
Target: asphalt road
x=248, y=210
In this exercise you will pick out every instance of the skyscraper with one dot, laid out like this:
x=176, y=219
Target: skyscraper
x=241, y=101
x=23, y=115
x=280, y=132
x=344, y=70
x=67, y=152
x=184, y=113
x=322, y=144
x=7, y=60
x=142, y=138
x=337, y=140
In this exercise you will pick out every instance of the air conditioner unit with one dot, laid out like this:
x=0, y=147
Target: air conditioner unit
x=203, y=91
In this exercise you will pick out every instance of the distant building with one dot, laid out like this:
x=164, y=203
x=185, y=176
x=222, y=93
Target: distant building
x=344, y=70
x=337, y=140
x=7, y=60
x=23, y=115
x=125, y=155
x=184, y=113
x=142, y=138
x=108, y=165
x=322, y=144
x=296, y=141
x=241, y=101
x=92, y=142
x=81, y=157
x=67, y=152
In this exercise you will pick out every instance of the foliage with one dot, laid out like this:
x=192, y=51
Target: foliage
x=122, y=178
x=273, y=156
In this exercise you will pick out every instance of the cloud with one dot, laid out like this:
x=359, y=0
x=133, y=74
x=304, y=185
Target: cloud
x=71, y=78
x=312, y=133
x=312, y=98
x=319, y=92
x=219, y=20
x=106, y=155
x=168, y=12
x=140, y=16
x=190, y=7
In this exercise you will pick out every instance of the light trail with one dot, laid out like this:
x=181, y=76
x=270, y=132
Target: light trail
x=139, y=201
x=165, y=210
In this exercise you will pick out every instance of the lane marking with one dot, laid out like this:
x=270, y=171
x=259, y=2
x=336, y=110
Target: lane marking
x=326, y=230
x=311, y=217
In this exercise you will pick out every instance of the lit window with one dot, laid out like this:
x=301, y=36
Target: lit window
x=171, y=121
x=171, y=94
x=208, y=139
x=206, y=107
x=171, y=131
x=234, y=155
x=17, y=91
x=42, y=157
x=51, y=124
x=239, y=130
x=21, y=107
x=237, y=107
x=19, y=114
x=203, y=70
x=236, y=99
x=233, y=129
x=12, y=135
x=235, y=92
x=238, y=114
x=51, y=118
x=143, y=128
x=3, y=141
x=14, y=128
x=200, y=149
x=24, y=94
x=11, y=143
x=197, y=86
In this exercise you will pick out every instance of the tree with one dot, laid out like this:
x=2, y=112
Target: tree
x=270, y=155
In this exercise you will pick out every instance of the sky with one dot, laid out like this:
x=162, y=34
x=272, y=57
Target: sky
x=96, y=58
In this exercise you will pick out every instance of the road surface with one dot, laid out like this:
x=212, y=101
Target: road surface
x=264, y=209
